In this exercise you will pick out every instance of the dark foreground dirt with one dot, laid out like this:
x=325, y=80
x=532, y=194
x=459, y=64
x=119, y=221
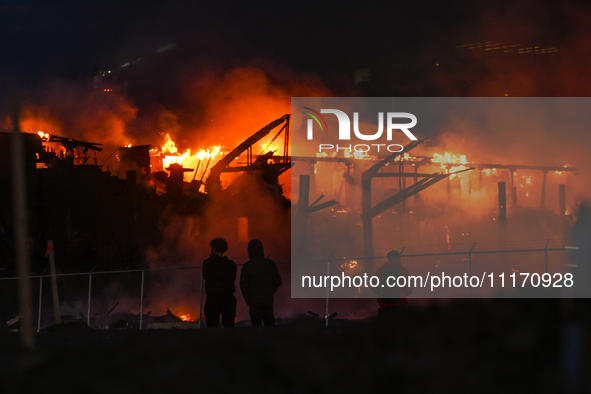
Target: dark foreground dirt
x=500, y=346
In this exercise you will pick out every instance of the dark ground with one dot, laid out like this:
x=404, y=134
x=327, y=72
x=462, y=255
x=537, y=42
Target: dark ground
x=494, y=346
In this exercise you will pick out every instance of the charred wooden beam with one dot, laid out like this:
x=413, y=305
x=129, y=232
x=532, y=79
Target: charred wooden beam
x=562, y=199
x=502, y=213
x=513, y=167
x=543, y=202
x=320, y=207
x=213, y=182
x=402, y=175
x=71, y=144
x=304, y=210
x=367, y=209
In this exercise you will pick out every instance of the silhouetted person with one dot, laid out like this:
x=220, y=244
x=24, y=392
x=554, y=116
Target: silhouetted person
x=392, y=299
x=219, y=273
x=581, y=257
x=259, y=280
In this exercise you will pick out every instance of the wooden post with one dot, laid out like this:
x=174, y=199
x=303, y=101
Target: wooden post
x=448, y=188
x=562, y=199
x=89, y=295
x=470, y=269
x=544, y=190
x=503, y=212
x=401, y=186
x=302, y=215
x=40, y=300
x=479, y=180
x=416, y=196
x=367, y=224
x=21, y=231
x=142, y=301
x=56, y=301
x=327, y=291
x=512, y=188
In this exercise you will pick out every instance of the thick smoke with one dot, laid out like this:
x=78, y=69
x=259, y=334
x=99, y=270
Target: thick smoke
x=74, y=110
x=221, y=107
x=223, y=95
x=501, y=70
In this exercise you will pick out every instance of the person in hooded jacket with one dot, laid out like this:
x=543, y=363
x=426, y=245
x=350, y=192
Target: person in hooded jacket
x=219, y=273
x=392, y=300
x=259, y=280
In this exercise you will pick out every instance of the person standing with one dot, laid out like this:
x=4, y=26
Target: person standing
x=259, y=280
x=219, y=273
x=392, y=300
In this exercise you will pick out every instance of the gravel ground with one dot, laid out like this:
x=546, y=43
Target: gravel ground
x=496, y=346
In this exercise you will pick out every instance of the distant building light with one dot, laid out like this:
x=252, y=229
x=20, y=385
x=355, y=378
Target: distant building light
x=362, y=75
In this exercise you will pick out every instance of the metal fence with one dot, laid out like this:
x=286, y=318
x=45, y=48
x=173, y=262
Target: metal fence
x=92, y=273
x=469, y=253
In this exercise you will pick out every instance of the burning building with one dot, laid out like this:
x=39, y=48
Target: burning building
x=110, y=214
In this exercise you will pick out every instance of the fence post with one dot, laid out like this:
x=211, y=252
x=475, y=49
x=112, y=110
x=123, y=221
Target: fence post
x=40, y=300
x=327, y=292
x=142, y=300
x=89, y=294
x=200, y=298
x=56, y=302
x=470, y=270
x=327, y=288
x=546, y=257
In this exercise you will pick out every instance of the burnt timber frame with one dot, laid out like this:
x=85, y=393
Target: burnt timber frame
x=213, y=182
x=303, y=212
x=369, y=212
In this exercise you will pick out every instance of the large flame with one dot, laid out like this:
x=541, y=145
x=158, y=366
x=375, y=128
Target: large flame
x=201, y=161
x=169, y=146
x=449, y=160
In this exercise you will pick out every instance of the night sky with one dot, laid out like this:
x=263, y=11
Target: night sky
x=46, y=40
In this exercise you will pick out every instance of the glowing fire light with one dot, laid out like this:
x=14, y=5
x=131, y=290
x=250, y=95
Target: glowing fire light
x=351, y=268
x=359, y=155
x=325, y=154
x=352, y=264
x=44, y=136
x=169, y=146
x=203, y=160
x=448, y=158
x=405, y=157
x=186, y=317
